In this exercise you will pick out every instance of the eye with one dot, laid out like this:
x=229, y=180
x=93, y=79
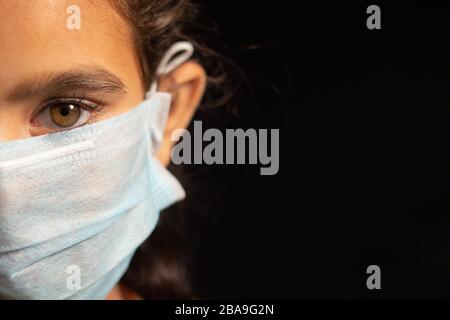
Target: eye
x=64, y=114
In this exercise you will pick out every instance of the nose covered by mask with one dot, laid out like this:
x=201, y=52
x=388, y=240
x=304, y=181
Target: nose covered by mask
x=75, y=205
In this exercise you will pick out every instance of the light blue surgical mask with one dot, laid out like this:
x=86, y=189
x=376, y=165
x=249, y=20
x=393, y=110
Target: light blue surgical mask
x=75, y=205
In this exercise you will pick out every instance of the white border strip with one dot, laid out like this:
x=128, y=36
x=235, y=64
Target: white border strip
x=48, y=155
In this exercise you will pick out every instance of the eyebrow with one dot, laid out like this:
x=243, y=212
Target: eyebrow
x=85, y=78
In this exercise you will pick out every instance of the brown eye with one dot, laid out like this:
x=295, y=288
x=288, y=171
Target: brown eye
x=65, y=115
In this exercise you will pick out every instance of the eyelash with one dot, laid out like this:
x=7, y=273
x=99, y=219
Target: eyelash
x=80, y=100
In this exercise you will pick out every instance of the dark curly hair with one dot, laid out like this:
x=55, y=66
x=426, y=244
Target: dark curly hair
x=160, y=268
x=157, y=24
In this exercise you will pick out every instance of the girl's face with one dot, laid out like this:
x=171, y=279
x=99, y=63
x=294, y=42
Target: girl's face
x=53, y=78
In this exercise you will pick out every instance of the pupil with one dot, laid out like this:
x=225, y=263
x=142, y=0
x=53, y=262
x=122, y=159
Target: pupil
x=65, y=111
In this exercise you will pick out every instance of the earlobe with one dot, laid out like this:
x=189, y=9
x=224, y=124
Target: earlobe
x=187, y=85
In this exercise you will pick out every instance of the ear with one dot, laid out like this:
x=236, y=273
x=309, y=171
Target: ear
x=187, y=85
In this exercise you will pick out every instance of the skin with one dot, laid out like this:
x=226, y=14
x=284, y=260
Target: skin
x=94, y=70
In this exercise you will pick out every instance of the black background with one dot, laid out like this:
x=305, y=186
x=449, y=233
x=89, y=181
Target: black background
x=364, y=170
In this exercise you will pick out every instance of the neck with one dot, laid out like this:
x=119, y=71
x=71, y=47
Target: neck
x=120, y=292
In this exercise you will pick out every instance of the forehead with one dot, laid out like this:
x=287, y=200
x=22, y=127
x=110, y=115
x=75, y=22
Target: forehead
x=34, y=37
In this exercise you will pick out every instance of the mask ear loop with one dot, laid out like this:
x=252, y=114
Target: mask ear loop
x=182, y=51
